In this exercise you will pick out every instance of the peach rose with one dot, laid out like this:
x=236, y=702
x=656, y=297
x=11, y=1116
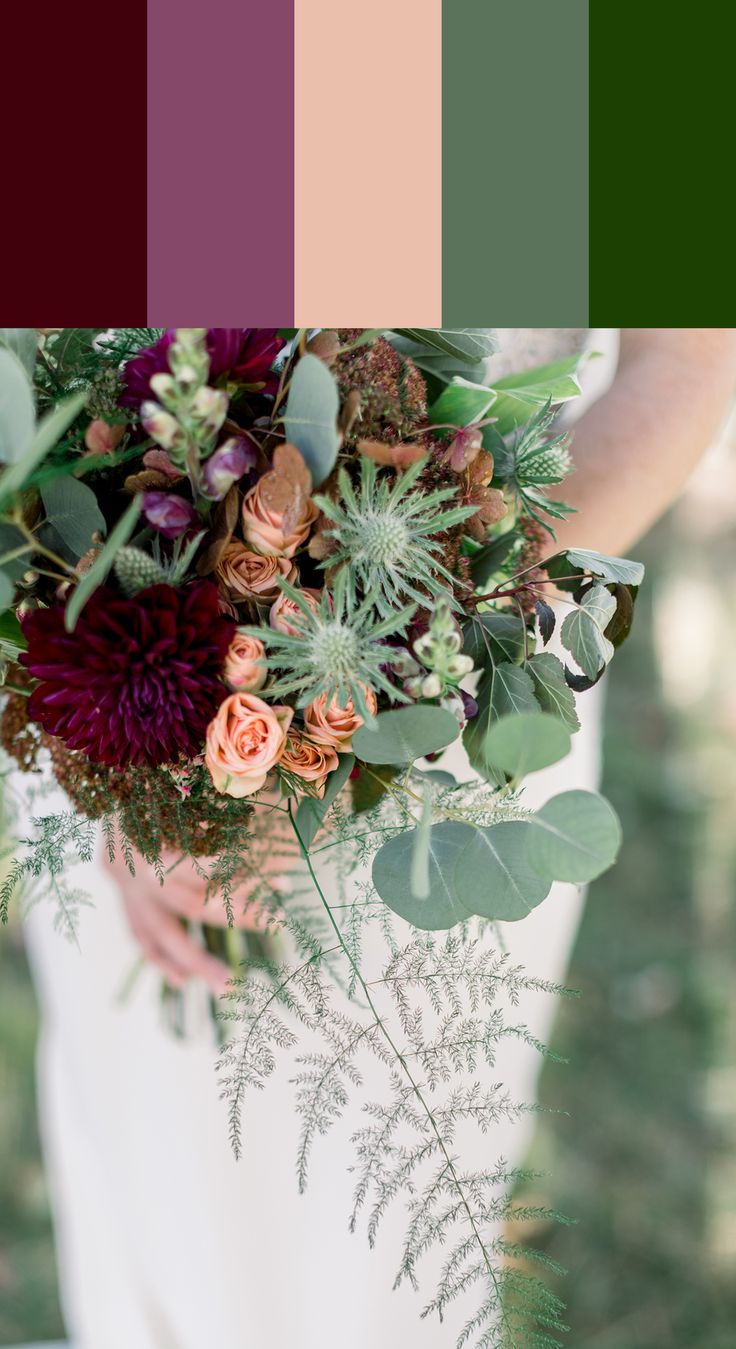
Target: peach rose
x=245, y=664
x=245, y=740
x=310, y=762
x=335, y=725
x=266, y=530
x=251, y=576
x=283, y=609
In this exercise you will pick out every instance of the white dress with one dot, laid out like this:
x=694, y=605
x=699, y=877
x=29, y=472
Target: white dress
x=166, y=1242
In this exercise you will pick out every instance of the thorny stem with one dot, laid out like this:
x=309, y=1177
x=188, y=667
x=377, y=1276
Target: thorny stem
x=401, y=1059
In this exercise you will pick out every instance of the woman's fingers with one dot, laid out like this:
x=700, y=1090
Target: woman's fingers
x=177, y=945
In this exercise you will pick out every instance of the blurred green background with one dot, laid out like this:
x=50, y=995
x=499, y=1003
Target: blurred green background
x=645, y=1157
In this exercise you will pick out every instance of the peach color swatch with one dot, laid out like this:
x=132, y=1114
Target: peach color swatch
x=368, y=178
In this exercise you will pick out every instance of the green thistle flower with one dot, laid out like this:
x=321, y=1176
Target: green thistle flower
x=385, y=534
x=337, y=648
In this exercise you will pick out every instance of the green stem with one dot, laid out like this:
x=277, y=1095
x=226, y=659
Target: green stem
x=450, y=1165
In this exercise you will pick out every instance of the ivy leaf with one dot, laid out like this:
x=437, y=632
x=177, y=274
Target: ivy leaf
x=621, y=569
x=554, y=695
x=620, y=625
x=574, y=837
x=461, y=403
x=313, y=809
x=547, y=619
x=439, y=908
x=17, y=409
x=488, y=558
x=404, y=734
x=519, y=395
x=493, y=877
x=583, y=631
x=73, y=511
x=525, y=742
x=311, y=416
x=492, y=637
x=503, y=689
x=102, y=563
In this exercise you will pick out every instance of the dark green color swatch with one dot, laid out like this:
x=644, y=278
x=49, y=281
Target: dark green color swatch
x=661, y=164
x=515, y=162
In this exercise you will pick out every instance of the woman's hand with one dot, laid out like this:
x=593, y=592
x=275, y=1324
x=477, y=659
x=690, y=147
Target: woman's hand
x=154, y=914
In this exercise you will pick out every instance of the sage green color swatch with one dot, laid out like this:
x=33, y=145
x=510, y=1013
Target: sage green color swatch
x=515, y=163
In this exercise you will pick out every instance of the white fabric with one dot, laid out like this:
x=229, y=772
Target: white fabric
x=164, y=1240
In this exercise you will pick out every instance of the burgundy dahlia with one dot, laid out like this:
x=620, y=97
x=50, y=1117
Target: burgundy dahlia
x=244, y=355
x=138, y=680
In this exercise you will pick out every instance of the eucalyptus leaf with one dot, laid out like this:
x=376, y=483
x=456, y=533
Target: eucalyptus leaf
x=313, y=809
x=91, y=579
x=404, y=734
x=519, y=395
x=73, y=511
x=440, y=907
x=621, y=569
x=420, y=885
x=48, y=432
x=493, y=877
x=554, y=695
x=17, y=409
x=23, y=342
x=7, y=590
x=583, y=631
x=525, y=742
x=461, y=402
x=464, y=344
x=311, y=416
x=574, y=837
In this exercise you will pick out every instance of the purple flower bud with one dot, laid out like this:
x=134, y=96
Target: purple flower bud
x=470, y=705
x=170, y=514
x=226, y=466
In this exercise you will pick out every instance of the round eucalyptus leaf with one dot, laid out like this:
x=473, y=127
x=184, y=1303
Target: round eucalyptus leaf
x=17, y=412
x=493, y=877
x=440, y=908
x=575, y=837
x=524, y=742
x=404, y=734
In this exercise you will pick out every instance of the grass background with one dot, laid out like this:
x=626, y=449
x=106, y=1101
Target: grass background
x=645, y=1157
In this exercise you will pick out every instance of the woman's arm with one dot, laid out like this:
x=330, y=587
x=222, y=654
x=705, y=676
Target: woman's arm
x=635, y=448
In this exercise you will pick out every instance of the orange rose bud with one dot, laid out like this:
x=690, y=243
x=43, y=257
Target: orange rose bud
x=334, y=725
x=244, y=575
x=245, y=664
x=312, y=763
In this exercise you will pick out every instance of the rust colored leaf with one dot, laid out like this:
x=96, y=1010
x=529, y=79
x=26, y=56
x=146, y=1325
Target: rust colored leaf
x=392, y=456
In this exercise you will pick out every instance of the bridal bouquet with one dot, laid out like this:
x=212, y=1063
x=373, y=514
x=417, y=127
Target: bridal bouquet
x=255, y=577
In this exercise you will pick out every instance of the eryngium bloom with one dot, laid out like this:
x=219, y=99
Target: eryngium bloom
x=138, y=680
x=244, y=355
